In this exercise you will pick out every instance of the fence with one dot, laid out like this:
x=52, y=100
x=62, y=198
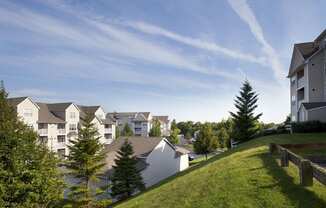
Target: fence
x=307, y=169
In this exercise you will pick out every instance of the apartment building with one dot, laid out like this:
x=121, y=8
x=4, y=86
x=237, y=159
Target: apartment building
x=139, y=122
x=26, y=110
x=165, y=124
x=105, y=126
x=307, y=74
x=58, y=123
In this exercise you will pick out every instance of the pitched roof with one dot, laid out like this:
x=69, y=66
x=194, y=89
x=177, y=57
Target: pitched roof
x=141, y=145
x=135, y=115
x=58, y=107
x=164, y=119
x=46, y=116
x=306, y=49
x=15, y=101
x=309, y=106
x=322, y=35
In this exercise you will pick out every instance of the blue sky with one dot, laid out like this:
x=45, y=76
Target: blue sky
x=184, y=58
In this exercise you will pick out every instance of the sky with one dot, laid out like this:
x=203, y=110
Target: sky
x=186, y=58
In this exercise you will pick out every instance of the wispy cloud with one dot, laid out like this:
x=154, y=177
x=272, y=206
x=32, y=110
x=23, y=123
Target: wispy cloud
x=106, y=39
x=194, y=42
x=244, y=11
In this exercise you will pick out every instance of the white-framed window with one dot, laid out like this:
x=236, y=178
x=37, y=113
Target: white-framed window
x=72, y=127
x=293, y=118
x=72, y=115
x=61, y=153
x=293, y=98
x=61, y=138
x=28, y=112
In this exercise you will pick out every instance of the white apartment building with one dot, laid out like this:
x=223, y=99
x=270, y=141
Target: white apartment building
x=139, y=122
x=105, y=126
x=57, y=123
x=165, y=124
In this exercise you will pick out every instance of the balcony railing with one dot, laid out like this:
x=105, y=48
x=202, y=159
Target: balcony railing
x=43, y=131
x=61, y=131
x=301, y=82
x=108, y=130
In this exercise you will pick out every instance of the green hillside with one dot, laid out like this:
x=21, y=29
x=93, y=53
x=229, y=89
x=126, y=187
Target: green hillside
x=245, y=177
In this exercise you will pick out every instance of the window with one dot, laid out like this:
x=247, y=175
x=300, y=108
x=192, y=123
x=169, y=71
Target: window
x=72, y=127
x=61, y=138
x=293, y=98
x=137, y=129
x=108, y=136
x=108, y=126
x=61, y=126
x=61, y=153
x=43, y=139
x=72, y=115
x=28, y=112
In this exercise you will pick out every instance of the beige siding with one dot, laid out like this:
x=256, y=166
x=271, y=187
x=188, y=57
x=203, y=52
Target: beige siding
x=27, y=111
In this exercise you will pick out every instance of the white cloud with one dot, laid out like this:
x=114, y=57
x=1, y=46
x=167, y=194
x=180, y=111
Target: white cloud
x=244, y=11
x=198, y=43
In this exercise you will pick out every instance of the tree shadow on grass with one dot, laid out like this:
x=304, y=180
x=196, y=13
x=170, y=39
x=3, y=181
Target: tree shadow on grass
x=299, y=195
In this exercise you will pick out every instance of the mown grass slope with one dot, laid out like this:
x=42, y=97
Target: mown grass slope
x=244, y=177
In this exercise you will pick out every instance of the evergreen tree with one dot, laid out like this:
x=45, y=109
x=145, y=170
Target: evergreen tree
x=85, y=163
x=29, y=176
x=244, y=119
x=206, y=141
x=126, y=178
x=156, y=129
x=127, y=131
x=173, y=138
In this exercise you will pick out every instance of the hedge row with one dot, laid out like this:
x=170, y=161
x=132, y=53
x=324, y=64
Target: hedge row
x=308, y=127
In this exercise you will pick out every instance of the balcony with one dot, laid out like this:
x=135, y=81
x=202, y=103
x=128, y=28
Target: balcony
x=61, y=131
x=301, y=82
x=43, y=131
x=108, y=131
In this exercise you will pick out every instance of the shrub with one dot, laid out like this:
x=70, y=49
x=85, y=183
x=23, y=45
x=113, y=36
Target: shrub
x=308, y=127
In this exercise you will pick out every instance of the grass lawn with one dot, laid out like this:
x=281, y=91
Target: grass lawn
x=244, y=177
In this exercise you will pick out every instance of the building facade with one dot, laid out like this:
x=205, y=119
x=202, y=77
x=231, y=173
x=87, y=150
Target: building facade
x=139, y=122
x=165, y=124
x=58, y=123
x=307, y=76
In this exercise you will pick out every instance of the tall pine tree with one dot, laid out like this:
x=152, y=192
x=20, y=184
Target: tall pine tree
x=29, y=176
x=85, y=163
x=126, y=178
x=244, y=119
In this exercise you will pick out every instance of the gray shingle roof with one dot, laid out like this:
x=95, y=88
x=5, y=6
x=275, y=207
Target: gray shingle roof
x=309, y=106
x=139, y=116
x=164, y=119
x=306, y=49
x=58, y=107
x=15, y=101
x=46, y=116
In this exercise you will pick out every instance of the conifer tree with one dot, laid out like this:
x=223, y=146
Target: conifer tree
x=126, y=178
x=156, y=129
x=173, y=138
x=244, y=119
x=29, y=176
x=206, y=141
x=127, y=131
x=85, y=163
